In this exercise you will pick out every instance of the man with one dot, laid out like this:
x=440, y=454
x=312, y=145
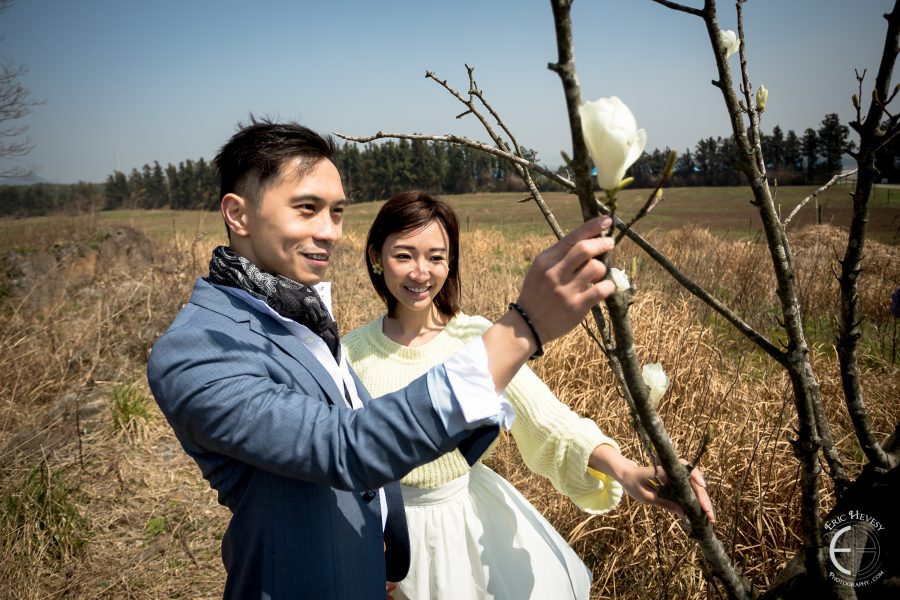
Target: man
x=251, y=377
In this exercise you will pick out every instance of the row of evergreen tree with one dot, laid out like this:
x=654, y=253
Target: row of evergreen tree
x=376, y=171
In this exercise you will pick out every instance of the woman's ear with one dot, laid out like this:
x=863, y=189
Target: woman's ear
x=374, y=257
x=234, y=211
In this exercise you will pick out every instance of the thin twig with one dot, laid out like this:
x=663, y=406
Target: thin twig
x=806, y=200
x=655, y=196
x=680, y=7
x=522, y=170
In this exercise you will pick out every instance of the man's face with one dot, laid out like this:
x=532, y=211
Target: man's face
x=293, y=229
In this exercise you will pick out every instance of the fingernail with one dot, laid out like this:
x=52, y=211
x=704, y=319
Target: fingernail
x=700, y=479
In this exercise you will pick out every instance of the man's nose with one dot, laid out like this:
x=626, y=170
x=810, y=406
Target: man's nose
x=326, y=228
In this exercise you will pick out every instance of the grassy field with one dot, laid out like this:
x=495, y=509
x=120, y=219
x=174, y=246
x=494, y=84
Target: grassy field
x=97, y=499
x=726, y=212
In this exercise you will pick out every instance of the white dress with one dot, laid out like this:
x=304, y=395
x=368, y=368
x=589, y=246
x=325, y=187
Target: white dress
x=477, y=537
x=472, y=534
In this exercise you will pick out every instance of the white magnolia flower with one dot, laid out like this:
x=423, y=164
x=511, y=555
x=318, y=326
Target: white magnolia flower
x=612, y=138
x=730, y=40
x=762, y=96
x=656, y=380
x=620, y=278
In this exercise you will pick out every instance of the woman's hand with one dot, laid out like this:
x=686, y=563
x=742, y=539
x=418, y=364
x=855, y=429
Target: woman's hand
x=645, y=484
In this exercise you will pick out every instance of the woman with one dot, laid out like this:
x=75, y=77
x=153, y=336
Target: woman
x=472, y=535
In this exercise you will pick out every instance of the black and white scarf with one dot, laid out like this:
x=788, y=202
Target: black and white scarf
x=289, y=298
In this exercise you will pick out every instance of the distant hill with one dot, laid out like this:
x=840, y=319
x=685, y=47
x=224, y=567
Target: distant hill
x=23, y=181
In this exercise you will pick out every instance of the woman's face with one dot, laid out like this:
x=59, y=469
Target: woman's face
x=416, y=265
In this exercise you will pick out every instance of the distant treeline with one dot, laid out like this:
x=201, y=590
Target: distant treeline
x=377, y=171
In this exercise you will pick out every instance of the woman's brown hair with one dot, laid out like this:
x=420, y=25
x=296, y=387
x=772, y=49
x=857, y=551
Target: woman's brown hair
x=410, y=212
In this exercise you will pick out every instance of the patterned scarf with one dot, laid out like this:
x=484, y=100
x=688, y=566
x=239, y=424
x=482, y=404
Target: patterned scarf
x=290, y=299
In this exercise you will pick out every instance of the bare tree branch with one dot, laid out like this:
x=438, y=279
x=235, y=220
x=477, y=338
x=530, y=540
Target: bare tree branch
x=813, y=429
x=830, y=183
x=872, y=132
x=522, y=170
x=686, y=282
x=655, y=196
x=680, y=7
x=617, y=306
x=15, y=103
x=812, y=433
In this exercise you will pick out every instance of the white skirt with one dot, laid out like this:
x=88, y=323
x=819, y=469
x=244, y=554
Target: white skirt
x=478, y=538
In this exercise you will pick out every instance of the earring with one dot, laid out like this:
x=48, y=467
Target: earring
x=377, y=269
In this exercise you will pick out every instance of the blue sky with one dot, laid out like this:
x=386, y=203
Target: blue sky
x=127, y=83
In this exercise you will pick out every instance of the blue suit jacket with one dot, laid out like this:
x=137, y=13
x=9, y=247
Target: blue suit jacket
x=273, y=436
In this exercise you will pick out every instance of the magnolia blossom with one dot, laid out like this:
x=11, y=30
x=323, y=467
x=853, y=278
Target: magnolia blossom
x=656, y=380
x=762, y=96
x=612, y=138
x=730, y=40
x=620, y=278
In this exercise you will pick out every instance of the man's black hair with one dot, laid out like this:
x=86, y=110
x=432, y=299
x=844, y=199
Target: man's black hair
x=252, y=159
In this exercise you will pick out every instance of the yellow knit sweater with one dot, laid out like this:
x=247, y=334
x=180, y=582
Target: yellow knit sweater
x=553, y=440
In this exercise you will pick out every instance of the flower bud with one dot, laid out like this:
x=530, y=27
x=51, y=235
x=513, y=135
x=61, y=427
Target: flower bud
x=730, y=41
x=620, y=278
x=612, y=138
x=656, y=380
x=671, y=159
x=762, y=95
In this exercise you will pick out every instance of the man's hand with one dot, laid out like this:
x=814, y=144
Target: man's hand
x=567, y=279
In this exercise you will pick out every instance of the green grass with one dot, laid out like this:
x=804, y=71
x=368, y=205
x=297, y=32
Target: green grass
x=39, y=518
x=156, y=526
x=130, y=409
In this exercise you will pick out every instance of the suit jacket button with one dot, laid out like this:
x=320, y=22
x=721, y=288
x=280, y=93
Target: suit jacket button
x=369, y=496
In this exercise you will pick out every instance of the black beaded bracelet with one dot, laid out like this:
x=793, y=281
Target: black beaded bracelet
x=537, y=338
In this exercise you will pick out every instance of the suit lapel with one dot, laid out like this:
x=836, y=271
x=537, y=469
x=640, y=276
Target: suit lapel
x=210, y=297
x=268, y=327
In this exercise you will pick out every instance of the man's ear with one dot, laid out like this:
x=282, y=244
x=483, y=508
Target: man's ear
x=234, y=210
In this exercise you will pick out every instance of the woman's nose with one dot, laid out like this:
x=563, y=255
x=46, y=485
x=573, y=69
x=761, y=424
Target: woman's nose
x=422, y=269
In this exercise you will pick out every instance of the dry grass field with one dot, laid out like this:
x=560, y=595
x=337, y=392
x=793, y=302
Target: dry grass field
x=97, y=499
